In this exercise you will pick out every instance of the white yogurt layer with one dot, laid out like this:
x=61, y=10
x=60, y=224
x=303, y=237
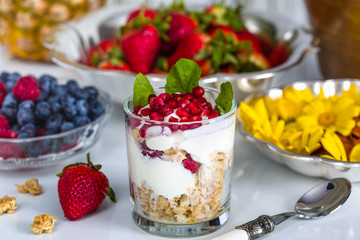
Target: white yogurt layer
x=171, y=179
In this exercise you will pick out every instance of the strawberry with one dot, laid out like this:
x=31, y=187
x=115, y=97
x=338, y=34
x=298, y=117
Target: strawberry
x=189, y=47
x=226, y=30
x=114, y=64
x=105, y=50
x=82, y=188
x=245, y=35
x=254, y=61
x=181, y=26
x=279, y=54
x=146, y=13
x=224, y=15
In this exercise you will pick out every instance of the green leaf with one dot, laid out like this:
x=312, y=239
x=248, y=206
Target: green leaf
x=225, y=98
x=111, y=194
x=183, y=77
x=142, y=90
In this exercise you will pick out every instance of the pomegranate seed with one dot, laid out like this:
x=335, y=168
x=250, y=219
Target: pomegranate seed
x=151, y=98
x=195, y=118
x=198, y=91
x=205, y=112
x=156, y=116
x=173, y=119
x=207, y=105
x=213, y=114
x=188, y=96
x=137, y=109
x=201, y=99
x=190, y=164
x=159, y=101
x=145, y=112
x=153, y=106
x=184, y=119
x=183, y=103
x=171, y=103
x=164, y=96
x=181, y=112
x=166, y=110
x=193, y=108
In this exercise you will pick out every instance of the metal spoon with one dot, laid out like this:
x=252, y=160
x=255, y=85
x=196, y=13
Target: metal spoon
x=320, y=201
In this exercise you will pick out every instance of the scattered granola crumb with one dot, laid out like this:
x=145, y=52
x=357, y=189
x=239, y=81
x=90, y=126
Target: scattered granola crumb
x=30, y=186
x=7, y=204
x=43, y=223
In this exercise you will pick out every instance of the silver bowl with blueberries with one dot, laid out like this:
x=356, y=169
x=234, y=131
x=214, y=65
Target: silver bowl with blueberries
x=43, y=121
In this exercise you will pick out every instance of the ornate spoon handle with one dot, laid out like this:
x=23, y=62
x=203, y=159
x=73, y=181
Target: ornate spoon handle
x=255, y=228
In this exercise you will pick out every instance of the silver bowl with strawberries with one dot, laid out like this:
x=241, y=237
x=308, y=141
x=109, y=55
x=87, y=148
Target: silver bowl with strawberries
x=71, y=44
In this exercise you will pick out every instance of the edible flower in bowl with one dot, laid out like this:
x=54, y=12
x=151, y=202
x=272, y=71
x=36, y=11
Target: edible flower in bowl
x=314, y=122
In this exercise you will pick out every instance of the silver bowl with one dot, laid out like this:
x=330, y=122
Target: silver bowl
x=308, y=165
x=60, y=146
x=69, y=43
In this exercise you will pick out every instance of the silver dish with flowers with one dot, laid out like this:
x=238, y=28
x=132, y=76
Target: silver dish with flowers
x=310, y=126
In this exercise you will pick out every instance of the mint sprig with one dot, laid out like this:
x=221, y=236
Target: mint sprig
x=183, y=77
x=142, y=90
x=225, y=98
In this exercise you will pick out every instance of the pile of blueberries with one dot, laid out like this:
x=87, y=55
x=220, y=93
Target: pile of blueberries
x=59, y=108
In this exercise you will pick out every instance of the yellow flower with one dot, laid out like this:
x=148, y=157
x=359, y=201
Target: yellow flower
x=250, y=114
x=333, y=116
x=291, y=103
x=355, y=153
x=353, y=92
x=333, y=145
x=302, y=142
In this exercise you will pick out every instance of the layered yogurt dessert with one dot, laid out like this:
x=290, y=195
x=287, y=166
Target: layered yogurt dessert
x=180, y=152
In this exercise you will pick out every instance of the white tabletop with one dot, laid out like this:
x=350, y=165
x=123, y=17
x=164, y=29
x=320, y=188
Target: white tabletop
x=259, y=186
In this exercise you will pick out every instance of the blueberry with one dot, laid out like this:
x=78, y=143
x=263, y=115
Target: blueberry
x=43, y=96
x=96, y=109
x=30, y=129
x=54, y=122
x=46, y=83
x=53, y=98
x=70, y=111
x=82, y=107
x=68, y=126
x=72, y=86
x=10, y=100
x=55, y=107
x=43, y=110
x=81, y=94
x=66, y=100
x=9, y=112
x=59, y=90
x=4, y=76
x=11, y=80
x=25, y=115
x=27, y=104
x=51, y=145
x=81, y=121
x=16, y=128
x=30, y=149
x=92, y=91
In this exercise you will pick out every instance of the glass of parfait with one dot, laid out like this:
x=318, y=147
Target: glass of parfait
x=180, y=153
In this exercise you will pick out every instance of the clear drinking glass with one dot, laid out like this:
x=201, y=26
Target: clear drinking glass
x=180, y=173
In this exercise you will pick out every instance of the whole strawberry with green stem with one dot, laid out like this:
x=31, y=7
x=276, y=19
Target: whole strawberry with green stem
x=82, y=188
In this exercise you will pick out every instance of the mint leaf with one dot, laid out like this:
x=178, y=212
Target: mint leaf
x=183, y=77
x=225, y=98
x=142, y=90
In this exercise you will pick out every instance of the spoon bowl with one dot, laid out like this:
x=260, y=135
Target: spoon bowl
x=319, y=201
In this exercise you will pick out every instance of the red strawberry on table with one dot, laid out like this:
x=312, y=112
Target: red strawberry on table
x=141, y=46
x=181, y=26
x=82, y=188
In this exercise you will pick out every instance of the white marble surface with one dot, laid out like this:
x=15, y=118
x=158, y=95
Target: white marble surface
x=260, y=186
